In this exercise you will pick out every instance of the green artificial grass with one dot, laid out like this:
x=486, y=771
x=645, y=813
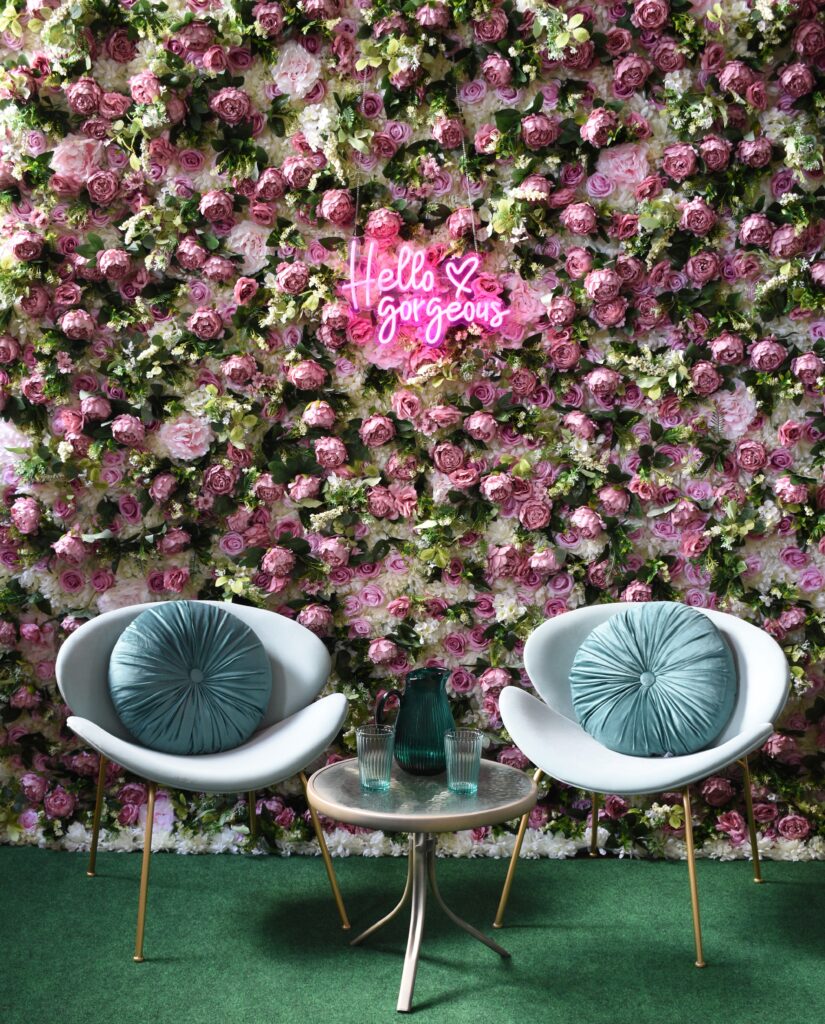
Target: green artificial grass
x=257, y=939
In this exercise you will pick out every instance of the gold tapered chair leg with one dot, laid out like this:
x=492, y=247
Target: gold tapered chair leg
x=511, y=870
x=694, y=891
x=757, y=867
x=333, y=881
x=594, y=824
x=101, y=785
x=253, y=817
x=144, y=873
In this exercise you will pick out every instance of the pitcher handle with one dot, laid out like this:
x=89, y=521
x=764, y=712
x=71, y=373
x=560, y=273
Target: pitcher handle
x=379, y=707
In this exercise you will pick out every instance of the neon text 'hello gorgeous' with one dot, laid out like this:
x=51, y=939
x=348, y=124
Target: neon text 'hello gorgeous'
x=414, y=293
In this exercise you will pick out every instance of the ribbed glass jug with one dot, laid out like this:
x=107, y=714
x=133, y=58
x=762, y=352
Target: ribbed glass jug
x=423, y=718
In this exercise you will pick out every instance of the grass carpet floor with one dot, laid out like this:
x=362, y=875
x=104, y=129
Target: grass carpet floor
x=257, y=939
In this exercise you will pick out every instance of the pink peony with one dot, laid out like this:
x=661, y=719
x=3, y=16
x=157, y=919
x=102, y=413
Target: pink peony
x=186, y=437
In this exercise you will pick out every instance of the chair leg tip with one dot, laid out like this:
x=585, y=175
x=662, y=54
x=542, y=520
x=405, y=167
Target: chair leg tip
x=700, y=963
x=138, y=959
x=497, y=924
x=90, y=874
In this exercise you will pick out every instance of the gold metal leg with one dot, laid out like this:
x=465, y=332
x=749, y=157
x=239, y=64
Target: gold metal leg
x=253, y=817
x=694, y=892
x=333, y=881
x=511, y=870
x=594, y=824
x=101, y=785
x=757, y=867
x=144, y=873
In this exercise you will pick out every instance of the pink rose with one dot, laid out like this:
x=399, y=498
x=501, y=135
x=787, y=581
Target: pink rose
x=220, y=479
x=599, y=127
x=59, y=803
x=704, y=378
x=376, y=431
x=447, y=457
x=534, y=514
x=588, y=524
x=751, y=456
x=330, y=452
x=26, y=246
x=316, y=617
x=307, y=375
x=292, y=278
x=808, y=368
x=382, y=651
x=727, y=348
x=25, y=514
x=231, y=105
x=767, y=354
x=206, y=324
x=383, y=225
x=492, y=27
x=650, y=14
x=319, y=415
x=278, y=561
x=337, y=206
x=614, y=500
x=679, y=161
x=697, y=217
x=448, y=132
x=793, y=826
x=539, y=131
x=579, y=219
x=481, y=426
x=128, y=430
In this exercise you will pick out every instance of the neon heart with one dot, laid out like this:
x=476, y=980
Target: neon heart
x=458, y=274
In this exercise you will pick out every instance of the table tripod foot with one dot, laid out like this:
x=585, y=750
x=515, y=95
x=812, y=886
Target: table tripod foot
x=418, y=876
x=394, y=912
x=454, y=917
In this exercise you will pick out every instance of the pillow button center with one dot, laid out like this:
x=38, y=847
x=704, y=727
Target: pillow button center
x=195, y=675
x=647, y=679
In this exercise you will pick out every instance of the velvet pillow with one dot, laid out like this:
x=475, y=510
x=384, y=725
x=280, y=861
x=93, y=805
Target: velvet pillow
x=654, y=680
x=187, y=677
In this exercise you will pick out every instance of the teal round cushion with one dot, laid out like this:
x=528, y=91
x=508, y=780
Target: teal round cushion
x=187, y=677
x=656, y=679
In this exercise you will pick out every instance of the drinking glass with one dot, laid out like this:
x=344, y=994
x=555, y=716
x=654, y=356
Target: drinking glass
x=463, y=750
x=375, y=747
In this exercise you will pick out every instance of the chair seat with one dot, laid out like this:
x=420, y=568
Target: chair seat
x=564, y=751
x=269, y=756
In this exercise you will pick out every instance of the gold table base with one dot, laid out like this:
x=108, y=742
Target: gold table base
x=420, y=871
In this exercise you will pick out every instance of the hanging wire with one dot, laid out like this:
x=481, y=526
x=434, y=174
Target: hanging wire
x=466, y=174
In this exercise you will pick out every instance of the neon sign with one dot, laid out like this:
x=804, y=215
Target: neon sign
x=408, y=291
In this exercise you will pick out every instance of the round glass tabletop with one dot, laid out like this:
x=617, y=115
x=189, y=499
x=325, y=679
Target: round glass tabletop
x=421, y=803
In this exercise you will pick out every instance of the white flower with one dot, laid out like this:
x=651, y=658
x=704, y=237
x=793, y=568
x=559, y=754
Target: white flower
x=249, y=240
x=11, y=437
x=297, y=70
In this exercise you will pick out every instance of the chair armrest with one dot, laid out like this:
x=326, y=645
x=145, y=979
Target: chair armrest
x=564, y=751
x=269, y=756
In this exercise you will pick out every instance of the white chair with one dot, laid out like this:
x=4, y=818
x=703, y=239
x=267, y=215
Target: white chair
x=294, y=731
x=549, y=735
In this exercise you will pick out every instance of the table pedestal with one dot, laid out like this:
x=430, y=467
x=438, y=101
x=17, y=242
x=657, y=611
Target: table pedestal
x=420, y=869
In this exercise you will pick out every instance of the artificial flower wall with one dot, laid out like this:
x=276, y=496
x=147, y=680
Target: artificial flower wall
x=613, y=211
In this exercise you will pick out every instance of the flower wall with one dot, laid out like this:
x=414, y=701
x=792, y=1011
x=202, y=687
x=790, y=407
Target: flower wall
x=198, y=402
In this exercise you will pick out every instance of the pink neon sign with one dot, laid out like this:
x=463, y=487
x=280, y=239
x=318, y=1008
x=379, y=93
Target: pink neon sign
x=431, y=298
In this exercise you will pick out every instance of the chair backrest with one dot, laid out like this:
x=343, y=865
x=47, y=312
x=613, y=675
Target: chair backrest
x=300, y=663
x=761, y=667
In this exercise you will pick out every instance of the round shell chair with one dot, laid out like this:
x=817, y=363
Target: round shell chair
x=547, y=732
x=296, y=728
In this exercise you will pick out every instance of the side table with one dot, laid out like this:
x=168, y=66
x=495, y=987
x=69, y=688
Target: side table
x=422, y=806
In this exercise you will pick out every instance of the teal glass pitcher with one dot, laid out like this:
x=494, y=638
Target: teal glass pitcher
x=423, y=718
